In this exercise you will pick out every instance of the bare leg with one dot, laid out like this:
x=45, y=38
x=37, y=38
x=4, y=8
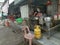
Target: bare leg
x=30, y=41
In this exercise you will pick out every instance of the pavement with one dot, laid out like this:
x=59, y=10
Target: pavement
x=17, y=29
x=7, y=37
x=54, y=40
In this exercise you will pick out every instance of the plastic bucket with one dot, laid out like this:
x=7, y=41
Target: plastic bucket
x=19, y=20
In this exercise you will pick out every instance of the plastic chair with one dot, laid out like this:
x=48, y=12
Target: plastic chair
x=28, y=35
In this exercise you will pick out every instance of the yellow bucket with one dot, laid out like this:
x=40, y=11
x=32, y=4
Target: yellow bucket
x=37, y=32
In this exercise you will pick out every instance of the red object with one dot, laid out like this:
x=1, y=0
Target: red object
x=11, y=18
x=58, y=15
x=7, y=23
x=49, y=2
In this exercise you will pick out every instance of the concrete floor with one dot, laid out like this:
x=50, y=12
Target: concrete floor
x=54, y=40
x=7, y=37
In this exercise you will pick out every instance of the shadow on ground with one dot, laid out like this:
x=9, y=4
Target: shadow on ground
x=22, y=43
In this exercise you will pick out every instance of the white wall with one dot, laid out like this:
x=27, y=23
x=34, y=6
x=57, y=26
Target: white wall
x=10, y=1
x=5, y=7
x=2, y=0
x=24, y=11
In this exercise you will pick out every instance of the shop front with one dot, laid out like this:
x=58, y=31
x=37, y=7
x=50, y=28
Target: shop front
x=43, y=14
